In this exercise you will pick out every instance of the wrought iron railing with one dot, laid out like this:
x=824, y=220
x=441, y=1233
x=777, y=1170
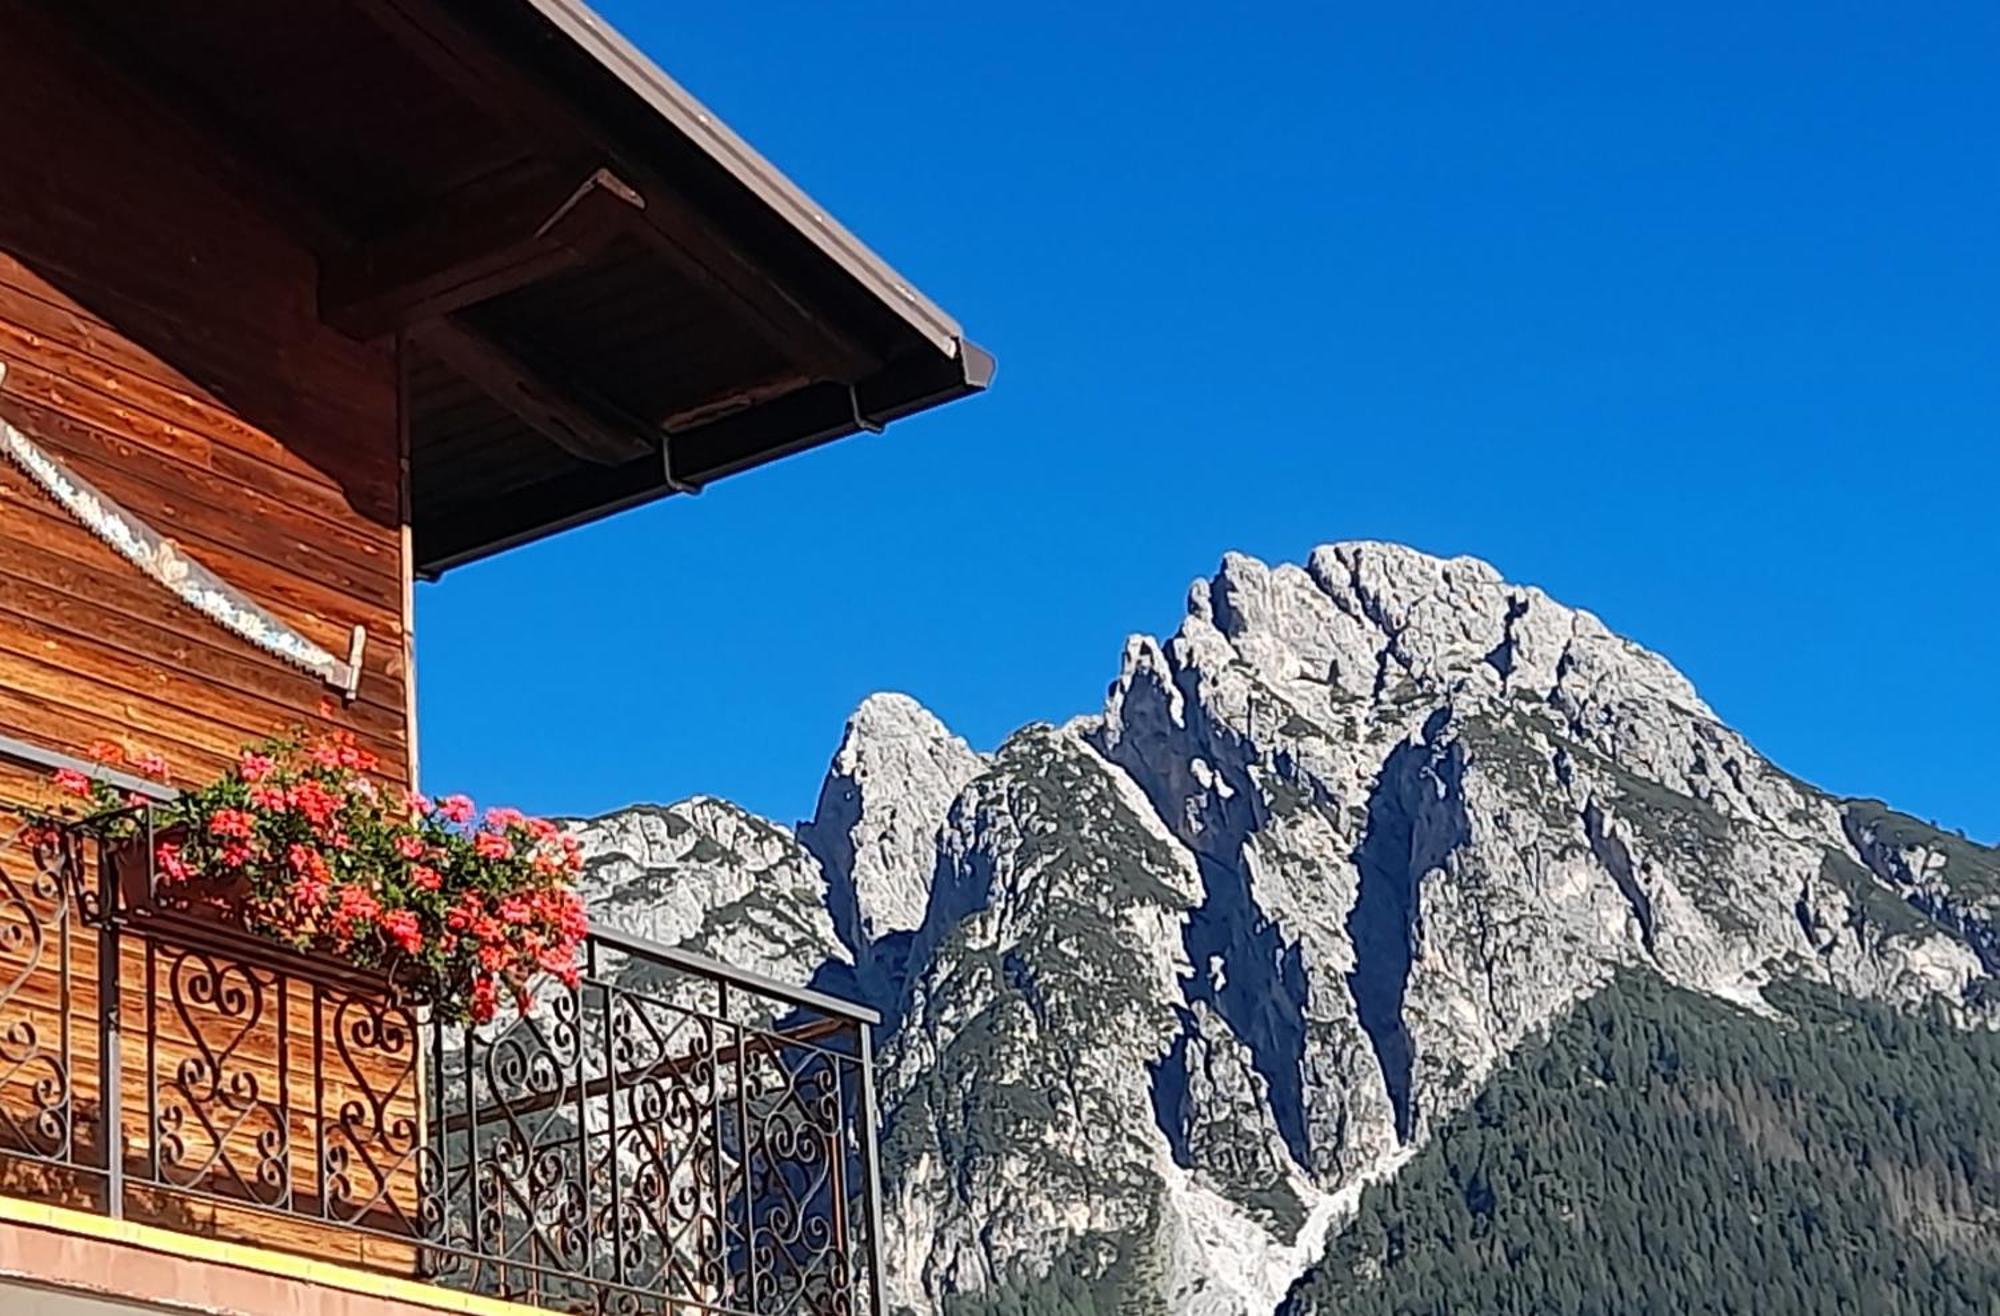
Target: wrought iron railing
x=669, y=1134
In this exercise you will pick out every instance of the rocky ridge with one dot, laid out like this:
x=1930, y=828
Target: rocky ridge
x=1168, y=985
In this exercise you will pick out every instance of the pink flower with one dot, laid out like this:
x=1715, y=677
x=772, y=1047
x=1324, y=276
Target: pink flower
x=501, y=819
x=309, y=892
x=269, y=798
x=105, y=751
x=456, y=808
x=150, y=765
x=425, y=878
x=411, y=846
x=71, y=782
x=492, y=845
x=172, y=867
x=254, y=767
x=235, y=854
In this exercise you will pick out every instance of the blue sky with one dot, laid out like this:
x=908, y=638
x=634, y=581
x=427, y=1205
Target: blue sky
x=1691, y=318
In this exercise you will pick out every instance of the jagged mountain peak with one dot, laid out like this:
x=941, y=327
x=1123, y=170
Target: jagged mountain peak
x=1365, y=617
x=874, y=830
x=888, y=715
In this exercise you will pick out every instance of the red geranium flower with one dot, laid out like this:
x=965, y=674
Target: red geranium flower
x=313, y=800
x=354, y=905
x=335, y=863
x=402, y=928
x=231, y=823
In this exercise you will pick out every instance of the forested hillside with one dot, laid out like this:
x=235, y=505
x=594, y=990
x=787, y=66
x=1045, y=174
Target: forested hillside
x=1664, y=1152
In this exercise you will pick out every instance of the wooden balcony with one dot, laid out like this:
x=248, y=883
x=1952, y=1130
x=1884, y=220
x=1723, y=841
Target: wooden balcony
x=669, y=1134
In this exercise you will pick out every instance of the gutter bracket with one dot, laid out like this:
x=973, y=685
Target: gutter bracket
x=672, y=481
x=861, y=422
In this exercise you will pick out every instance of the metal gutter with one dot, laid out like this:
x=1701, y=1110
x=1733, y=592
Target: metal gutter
x=672, y=102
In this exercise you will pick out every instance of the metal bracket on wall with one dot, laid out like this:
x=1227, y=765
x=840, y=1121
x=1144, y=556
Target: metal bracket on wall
x=162, y=560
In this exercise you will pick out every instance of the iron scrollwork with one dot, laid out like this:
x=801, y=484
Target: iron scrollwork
x=38, y=881
x=663, y=1136
x=221, y=1114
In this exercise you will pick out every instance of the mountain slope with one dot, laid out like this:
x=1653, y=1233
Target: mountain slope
x=1170, y=986
x=1664, y=1152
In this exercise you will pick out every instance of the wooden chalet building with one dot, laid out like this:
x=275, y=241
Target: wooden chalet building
x=300, y=303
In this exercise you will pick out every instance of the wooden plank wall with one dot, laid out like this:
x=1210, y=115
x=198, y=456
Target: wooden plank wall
x=161, y=338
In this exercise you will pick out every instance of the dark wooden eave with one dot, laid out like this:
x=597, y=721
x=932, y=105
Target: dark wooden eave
x=603, y=295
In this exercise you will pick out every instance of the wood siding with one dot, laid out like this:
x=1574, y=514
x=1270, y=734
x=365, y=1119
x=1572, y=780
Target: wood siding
x=161, y=338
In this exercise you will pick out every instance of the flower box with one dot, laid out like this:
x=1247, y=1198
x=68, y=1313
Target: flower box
x=209, y=900
x=301, y=848
x=214, y=911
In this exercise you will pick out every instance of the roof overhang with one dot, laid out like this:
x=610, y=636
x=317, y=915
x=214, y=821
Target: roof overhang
x=605, y=295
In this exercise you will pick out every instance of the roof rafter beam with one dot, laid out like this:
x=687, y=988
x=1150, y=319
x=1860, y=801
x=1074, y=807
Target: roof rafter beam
x=549, y=409
x=477, y=245
x=678, y=231
x=791, y=423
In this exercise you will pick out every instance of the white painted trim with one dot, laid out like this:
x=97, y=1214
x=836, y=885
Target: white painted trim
x=162, y=560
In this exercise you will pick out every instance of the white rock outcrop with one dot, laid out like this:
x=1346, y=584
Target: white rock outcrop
x=875, y=831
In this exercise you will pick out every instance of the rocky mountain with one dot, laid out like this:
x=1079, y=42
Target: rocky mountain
x=1169, y=986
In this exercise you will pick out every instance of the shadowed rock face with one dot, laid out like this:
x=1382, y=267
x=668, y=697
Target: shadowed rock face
x=875, y=830
x=1167, y=985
